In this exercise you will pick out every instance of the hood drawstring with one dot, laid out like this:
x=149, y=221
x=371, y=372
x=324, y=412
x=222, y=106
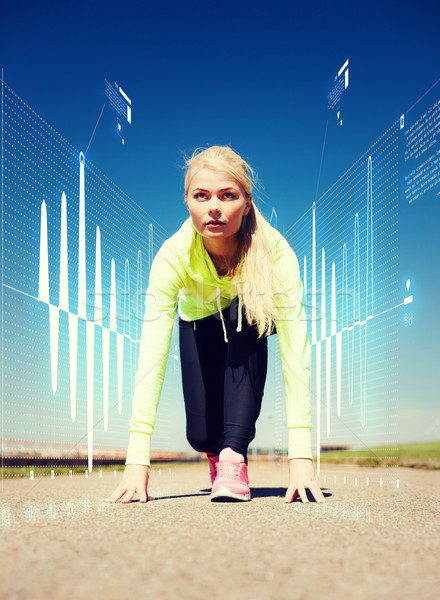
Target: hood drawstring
x=221, y=314
x=239, y=313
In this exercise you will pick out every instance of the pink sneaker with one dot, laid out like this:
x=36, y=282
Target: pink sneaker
x=213, y=460
x=232, y=482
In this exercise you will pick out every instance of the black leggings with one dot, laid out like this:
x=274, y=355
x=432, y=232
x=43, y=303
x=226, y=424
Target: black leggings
x=223, y=383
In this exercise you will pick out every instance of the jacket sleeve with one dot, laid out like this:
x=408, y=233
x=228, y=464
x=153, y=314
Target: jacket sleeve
x=295, y=352
x=157, y=327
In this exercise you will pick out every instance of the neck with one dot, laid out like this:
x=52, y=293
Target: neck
x=222, y=250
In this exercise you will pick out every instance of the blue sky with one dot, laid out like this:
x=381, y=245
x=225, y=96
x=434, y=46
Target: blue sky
x=251, y=75
x=254, y=75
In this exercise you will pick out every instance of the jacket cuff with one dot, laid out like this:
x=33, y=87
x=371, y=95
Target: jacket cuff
x=138, y=452
x=300, y=442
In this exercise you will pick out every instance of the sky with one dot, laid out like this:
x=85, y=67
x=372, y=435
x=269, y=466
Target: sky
x=254, y=76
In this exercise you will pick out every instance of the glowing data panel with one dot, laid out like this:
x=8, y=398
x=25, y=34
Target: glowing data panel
x=348, y=246
x=76, y=257
x=340, y=84
x=121, y=105
x=421, y=150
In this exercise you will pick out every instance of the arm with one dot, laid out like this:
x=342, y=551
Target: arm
x=157, y=328
x=295, y=353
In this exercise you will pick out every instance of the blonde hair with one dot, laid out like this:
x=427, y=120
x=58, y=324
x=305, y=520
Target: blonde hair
x=253, y=266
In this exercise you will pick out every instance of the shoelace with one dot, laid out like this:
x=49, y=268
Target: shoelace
x=229, y=470
x=212, y=468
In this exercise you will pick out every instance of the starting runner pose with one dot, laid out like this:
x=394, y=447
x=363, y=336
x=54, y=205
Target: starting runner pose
x=235, y=280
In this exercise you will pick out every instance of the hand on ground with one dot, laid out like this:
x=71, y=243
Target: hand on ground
x=301, y=476
x=135, y=479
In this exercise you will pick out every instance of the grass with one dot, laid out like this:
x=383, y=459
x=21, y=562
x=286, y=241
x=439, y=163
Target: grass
x=422, y=456
x=64, y=471
x=419, y=456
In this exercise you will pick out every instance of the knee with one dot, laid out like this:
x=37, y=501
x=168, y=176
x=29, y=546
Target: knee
x=198, y=441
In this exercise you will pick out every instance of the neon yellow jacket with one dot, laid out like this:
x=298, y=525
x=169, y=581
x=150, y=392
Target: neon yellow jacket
x=183, y=275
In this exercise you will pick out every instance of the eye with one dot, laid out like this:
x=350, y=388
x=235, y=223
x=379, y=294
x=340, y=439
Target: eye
x=200, y=196
x=229, y=195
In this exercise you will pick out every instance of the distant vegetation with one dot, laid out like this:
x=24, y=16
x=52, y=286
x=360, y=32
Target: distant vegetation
x=81, y=470
x=419, y=456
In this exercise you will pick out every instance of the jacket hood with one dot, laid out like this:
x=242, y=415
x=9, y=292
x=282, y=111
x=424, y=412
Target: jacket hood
x=195, y=258
x=199, y=266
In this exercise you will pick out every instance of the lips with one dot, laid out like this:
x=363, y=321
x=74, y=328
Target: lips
x=215, y=223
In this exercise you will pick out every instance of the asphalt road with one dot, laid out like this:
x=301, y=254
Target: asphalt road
x=59, y=540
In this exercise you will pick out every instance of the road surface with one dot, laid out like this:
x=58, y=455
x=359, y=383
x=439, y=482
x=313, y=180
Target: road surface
x=371, y=539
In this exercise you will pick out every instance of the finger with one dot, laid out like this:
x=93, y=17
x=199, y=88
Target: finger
x=118, y=493
x=142, y=496
x=302, y=493
x=316, y=491
x=291, y=494
x=112, y=497
x=129, y=496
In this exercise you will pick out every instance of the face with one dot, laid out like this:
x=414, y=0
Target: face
x=217, y=203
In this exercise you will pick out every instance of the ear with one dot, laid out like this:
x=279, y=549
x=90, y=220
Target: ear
x=248, y=205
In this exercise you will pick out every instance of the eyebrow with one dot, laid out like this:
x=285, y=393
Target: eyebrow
x=222, y=190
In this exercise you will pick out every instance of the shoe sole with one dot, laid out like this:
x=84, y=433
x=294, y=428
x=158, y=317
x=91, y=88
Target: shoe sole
x=225, y=495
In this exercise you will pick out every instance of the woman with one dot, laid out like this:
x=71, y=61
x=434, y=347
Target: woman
x=236, y=280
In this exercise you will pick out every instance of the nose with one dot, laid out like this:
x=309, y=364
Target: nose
x=214, y=209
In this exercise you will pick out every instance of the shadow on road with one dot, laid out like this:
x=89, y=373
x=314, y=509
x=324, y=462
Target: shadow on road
x=281, y=492
x=278, y=492
x=261, y=492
